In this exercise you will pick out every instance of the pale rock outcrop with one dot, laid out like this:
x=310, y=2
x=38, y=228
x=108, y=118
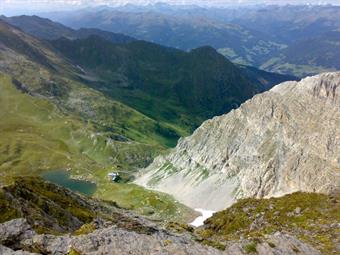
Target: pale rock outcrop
x=7, y=251
x=278, y=142
x=112, y=240
x=14, y=231
x=275, y=244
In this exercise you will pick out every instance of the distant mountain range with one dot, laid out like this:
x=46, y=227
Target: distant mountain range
x=101, y=103
x=144, y=75
x=49, y=30
x=180, y=30
x=80, y=106
x=262, y=36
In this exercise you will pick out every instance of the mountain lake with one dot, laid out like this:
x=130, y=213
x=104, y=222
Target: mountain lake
x=62, y=178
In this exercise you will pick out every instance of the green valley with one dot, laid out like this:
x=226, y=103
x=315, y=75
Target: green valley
x=56, y=117
x=50, y=121
x=36, y=137
x=180, y=127
x=172, y=128
x=92, y=107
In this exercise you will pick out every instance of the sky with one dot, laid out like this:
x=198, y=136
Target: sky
x=8, y=6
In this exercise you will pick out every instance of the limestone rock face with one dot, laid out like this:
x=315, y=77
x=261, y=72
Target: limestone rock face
x=114, y=240
x=275, y=244
x=278, y=142
x=7, y=251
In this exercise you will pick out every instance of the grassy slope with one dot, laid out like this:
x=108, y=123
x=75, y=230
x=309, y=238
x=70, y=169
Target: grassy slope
x=314, y=221
x=51, y=209
x=53, y=121
x=46, y=73
x=36, y=136
x=46, y=207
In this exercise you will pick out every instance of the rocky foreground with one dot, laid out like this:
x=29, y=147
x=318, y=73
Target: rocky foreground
x=41, y=218
x=113, y=240
x=282, y=141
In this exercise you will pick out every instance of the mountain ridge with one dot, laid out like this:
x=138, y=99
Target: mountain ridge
x=261, y=36
x=47, y=29
x=57, y=106
x=264, y=148
x=165, y=75
x=92, y=110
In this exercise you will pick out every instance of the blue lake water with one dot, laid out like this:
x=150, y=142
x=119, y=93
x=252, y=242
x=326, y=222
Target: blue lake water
x=62, y=178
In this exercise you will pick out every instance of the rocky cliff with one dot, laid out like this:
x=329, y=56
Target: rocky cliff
x=279, y=142
x=115, y=241
x=40, y=218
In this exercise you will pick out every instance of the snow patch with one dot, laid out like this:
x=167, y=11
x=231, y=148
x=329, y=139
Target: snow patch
x=199, y=221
